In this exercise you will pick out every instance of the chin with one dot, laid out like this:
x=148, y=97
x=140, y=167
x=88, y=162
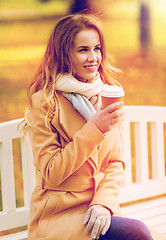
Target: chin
x=86, y=77
x=90, y=78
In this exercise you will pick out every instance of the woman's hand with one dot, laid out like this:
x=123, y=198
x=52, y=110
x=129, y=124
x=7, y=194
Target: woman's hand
x=107, y=118
x=98, y=220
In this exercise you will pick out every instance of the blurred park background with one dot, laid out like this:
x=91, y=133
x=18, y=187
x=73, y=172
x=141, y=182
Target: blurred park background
x=135, y=32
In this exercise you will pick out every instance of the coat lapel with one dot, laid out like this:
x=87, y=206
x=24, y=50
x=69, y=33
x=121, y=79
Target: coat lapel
x=68, y=121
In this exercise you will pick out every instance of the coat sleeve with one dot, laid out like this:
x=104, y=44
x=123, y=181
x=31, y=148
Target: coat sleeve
x=54, y=162
x=108, y=190
x=113, y=168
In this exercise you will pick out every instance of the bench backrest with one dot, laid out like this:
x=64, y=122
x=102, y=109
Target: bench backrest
x=145, y=153
x=143, y=150
x=11, y=215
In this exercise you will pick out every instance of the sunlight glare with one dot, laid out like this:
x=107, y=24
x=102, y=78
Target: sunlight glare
x=162, y=8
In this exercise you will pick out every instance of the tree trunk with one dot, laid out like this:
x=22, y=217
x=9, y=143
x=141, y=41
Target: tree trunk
x=145, y=26
x=80, y=6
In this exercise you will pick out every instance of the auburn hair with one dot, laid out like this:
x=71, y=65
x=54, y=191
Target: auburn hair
x=57, y=59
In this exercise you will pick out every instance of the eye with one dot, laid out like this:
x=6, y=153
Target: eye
x=83, y=50
x=98, y=48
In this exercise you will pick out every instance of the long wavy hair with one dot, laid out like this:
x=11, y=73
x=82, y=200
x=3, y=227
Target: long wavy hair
x=57, y=59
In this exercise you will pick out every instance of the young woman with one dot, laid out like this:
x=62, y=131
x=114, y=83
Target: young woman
x=76, y=145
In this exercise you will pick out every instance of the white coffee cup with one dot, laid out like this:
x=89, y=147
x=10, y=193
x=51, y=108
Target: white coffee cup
x=111, y=94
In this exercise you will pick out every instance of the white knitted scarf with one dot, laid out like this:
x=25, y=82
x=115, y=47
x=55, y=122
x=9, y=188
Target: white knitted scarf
x=83, y=96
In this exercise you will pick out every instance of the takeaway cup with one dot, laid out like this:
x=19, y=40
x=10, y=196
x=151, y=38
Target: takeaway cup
x=111, y=94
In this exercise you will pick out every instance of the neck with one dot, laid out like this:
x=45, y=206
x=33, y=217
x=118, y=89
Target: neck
x=83, y=79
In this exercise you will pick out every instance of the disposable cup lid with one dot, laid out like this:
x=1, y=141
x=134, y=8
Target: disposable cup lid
x=112, y=91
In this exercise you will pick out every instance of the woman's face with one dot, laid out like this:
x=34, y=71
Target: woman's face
x=86, y=55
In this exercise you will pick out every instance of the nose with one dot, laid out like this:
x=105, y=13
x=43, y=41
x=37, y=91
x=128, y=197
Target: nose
x=92, y=56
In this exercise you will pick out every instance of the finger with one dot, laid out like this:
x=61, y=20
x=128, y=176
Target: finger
x=96, y=228
x=112, y=107
x=117, y=121
x=90, y=223
x=102, y=224
x=116, y=116
x=87, y=216
x=117, y=113
x=106, y=227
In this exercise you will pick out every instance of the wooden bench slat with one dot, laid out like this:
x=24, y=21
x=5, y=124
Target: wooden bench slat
x=15, y=219
x=7, y=176
x=8, y=130
x=158, y=167
x=141, y=191
x=154, y=203
x=155, y=221
x=141, y=153
x=16, y=236
x=147, y=213
x=148, y=113
x=29, y=173
x=127, y=153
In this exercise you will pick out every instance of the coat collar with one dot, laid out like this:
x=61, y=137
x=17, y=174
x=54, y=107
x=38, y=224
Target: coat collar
x=67, y=120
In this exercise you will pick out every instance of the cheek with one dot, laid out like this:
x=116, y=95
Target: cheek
x=81, y=58
x=76, y=65
x=79, y=61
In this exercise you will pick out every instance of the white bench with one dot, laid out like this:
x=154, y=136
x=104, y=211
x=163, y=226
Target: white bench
x=143, y=194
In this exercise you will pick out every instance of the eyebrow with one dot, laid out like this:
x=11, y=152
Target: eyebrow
x=97, y=45
x=82, y=47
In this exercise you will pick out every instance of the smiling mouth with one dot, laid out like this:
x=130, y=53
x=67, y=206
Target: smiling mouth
x=92, y=68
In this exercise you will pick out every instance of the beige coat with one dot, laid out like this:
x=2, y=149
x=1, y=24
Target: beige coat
x=77, y=167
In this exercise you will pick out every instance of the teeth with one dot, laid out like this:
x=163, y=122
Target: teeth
x=91, y=67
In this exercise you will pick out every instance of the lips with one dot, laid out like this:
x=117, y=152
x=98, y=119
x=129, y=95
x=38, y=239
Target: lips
x=91, y=67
